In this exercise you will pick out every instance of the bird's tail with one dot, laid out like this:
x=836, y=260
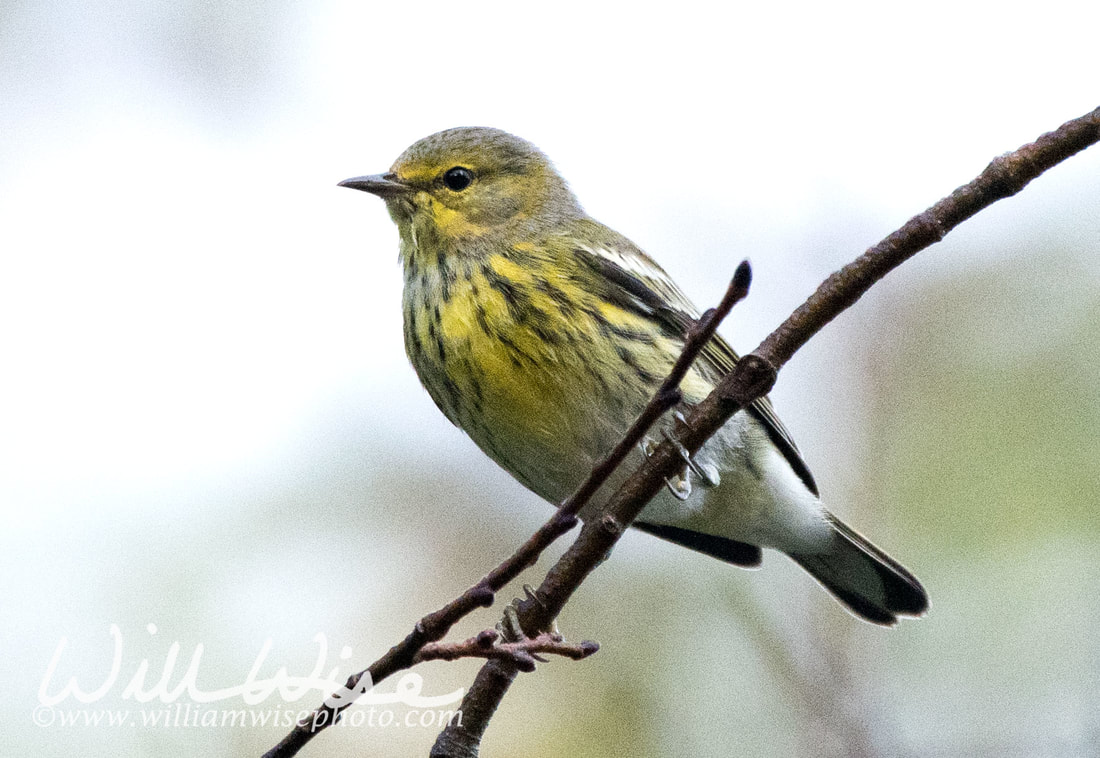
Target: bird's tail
x=872, y=584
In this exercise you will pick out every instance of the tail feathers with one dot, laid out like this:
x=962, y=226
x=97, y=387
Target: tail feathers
x=872, y=584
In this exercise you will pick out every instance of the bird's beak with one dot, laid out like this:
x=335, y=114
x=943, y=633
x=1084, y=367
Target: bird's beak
x=383, y=185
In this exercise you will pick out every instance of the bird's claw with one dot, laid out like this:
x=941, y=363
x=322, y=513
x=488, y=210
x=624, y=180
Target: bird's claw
x=509, y=625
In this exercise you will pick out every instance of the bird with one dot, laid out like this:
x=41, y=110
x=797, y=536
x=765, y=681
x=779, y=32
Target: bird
x=542, y=334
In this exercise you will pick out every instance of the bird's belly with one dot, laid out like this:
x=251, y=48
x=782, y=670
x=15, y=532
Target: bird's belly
x=546, y=425
x=540, y=410
x=545, y=393
x=548, y=421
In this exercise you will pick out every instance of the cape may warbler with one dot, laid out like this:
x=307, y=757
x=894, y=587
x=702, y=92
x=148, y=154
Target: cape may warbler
x=542, y=333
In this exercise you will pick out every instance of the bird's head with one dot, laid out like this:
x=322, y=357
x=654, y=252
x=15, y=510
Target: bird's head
x=468, y=183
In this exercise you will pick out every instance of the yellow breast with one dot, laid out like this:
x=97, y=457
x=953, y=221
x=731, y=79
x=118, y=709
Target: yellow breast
x=533, y=367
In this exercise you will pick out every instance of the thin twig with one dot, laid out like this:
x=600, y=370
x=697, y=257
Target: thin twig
x=595, y=541
x=752, y=377
x=1003, y=177
x=435, y=626
x=668, y=394
x=523, y=654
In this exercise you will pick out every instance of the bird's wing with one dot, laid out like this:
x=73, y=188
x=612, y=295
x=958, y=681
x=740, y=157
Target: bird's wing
x=634, y=281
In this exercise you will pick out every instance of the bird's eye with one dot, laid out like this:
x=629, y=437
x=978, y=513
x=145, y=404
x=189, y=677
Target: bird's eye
x=458, y=178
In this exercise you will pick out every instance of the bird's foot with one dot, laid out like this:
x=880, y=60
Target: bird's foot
x=509, y=625
x=680, y=485
x=707, y=473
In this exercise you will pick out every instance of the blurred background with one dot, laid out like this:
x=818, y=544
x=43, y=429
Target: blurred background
x=211, y=437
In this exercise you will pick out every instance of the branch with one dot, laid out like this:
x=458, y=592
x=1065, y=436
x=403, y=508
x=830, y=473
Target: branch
x=435, y=626
x=1003, y=177
x=752, y=377
x=429, y=629
x=523, y=653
